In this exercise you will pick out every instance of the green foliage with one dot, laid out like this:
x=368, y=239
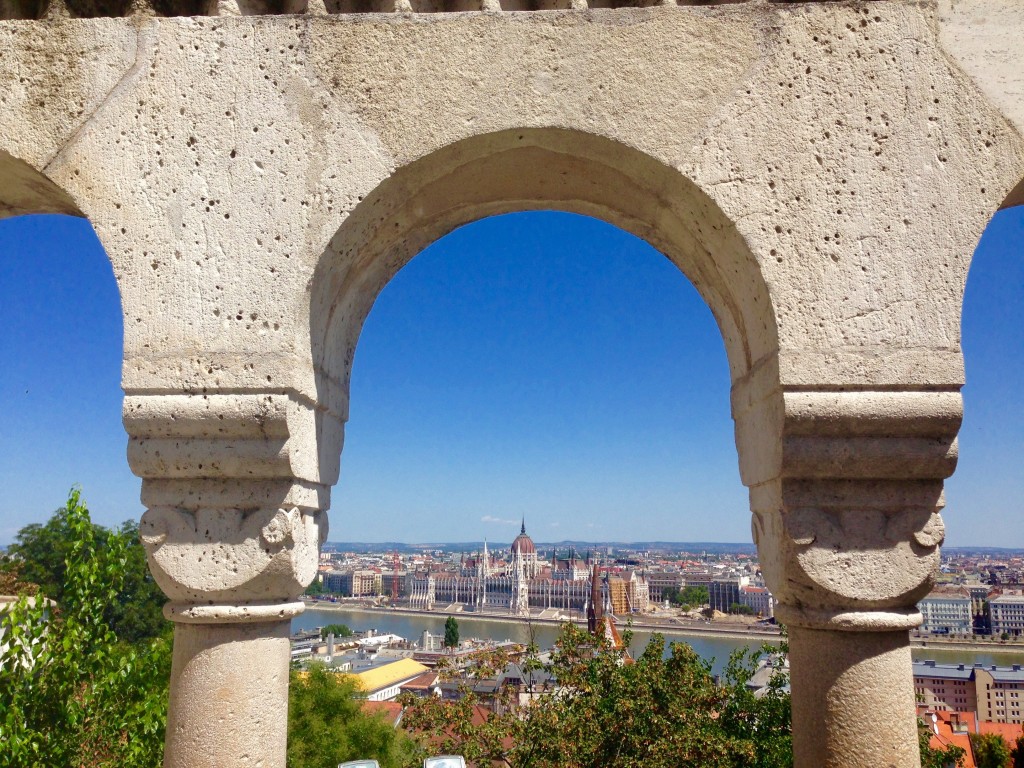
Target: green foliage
x=71, y=694
x=339, y=630
x=951, y=756
x=316, y=587
x=1017, y=753
x=694, y=597
x=451, y=632
x=990, y=750
x=688, y=597
x=40, y=554
x=327, y=724
x=741, y=609
x=600, y=709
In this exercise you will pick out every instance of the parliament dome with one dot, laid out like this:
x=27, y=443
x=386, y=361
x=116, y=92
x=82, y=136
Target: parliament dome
x=523, y=543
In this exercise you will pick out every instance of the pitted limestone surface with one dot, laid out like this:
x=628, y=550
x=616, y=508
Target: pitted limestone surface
x=820, y=171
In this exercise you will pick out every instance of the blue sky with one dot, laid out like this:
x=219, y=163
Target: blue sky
x=541, y=364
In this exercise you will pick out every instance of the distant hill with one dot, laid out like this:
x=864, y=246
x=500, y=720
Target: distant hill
x=673, y=547
x=1004, y=551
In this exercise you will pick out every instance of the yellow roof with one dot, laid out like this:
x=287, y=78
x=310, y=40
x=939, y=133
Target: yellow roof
x=389, y=674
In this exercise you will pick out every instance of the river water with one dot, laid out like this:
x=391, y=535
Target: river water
x=714, y=649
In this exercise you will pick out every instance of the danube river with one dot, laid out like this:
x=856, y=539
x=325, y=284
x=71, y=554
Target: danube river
x=714, y=649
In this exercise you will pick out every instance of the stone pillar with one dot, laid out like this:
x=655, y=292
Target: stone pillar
x=232, y=531
x=229, y=693
x=846, y=489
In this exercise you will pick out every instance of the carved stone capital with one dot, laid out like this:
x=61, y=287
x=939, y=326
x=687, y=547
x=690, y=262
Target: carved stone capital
x=236, y=493
x=230, y=556
x=846, y=503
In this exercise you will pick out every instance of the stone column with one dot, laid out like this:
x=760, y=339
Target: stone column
x=846, y=489
x=233, y=527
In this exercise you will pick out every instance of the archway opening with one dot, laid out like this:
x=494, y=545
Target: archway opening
x=559, y=176
x=545, y=364
x=989, y=482
x=62, y=374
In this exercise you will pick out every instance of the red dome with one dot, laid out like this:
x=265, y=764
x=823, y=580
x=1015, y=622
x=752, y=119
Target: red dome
x=523, y=543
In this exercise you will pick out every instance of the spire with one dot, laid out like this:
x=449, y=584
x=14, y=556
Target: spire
x=595, y=604
x=523, y=529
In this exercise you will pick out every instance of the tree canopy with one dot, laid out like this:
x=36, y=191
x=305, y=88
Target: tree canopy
x=327, y=724
x=990, y=750
x=339, y=630
x=590, y=706
x=687, y=597
x=72, y=694
x=451, y=632
x=39, y=556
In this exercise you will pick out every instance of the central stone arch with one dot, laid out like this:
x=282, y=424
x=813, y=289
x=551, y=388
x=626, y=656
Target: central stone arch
x=521, y=170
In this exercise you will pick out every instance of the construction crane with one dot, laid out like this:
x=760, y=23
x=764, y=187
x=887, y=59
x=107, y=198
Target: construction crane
x=396, y=564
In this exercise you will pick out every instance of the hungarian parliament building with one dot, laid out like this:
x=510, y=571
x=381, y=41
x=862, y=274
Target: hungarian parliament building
x=522, y=584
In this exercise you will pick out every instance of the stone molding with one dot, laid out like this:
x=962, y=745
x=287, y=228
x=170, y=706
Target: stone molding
x=846, y=501
x=44, y=9
x=236, y=507
x=250, y=613
x=232, y=556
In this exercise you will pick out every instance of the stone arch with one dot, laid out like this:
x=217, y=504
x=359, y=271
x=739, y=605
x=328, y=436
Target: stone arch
x=1015, y=198
x=25, y=190
x=533, y=169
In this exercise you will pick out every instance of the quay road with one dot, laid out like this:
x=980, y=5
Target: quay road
x=712, y=642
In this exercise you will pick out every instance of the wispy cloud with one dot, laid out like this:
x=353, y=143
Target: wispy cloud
x=554, y=525
x=499, y=520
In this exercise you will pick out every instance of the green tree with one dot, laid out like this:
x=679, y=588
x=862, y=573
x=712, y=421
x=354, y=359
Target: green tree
x=951, y=756
x=693, y=597
x=741, y=609
x=590, y=706
x=40, y=555
x=327, y=724
x=1017, y=753
x=339, y=630
x=451, y=632
x=72, y=694
x=990, y=750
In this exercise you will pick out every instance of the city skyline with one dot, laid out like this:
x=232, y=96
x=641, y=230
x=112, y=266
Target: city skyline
x=542, y=364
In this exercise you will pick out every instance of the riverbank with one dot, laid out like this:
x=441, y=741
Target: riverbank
x=673, y=627
x=975, y=646
x=681, y=628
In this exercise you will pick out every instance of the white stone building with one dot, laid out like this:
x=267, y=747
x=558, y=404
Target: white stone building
x=947, y=611
x=1007, y=613
x=759, y=599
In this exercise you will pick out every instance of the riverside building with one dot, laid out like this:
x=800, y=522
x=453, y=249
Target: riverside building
x=524, y=583
x=995, y=693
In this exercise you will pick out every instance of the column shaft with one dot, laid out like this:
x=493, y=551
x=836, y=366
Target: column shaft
x=229, y=696
x=853, y=699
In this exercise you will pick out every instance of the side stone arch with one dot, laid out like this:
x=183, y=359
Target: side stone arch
x=24, y=190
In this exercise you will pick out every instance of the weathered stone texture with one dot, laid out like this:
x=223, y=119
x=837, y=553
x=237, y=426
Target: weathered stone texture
x=820, y=171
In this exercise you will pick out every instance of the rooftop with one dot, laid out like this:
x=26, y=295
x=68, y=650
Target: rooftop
x=392, y=673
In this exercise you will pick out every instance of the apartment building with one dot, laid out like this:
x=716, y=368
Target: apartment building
x=945, y=687
x=1007, y=613
x=947, y=611
x=995, y=693
x=1000, y=692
